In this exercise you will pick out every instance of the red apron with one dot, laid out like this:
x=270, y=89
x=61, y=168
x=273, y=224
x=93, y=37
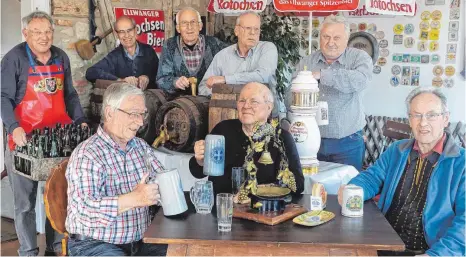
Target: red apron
x=43, y=104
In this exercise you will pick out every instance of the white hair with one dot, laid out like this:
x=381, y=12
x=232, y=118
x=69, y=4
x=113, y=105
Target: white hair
x=332, y=19
x=178, y=14
x=426, y=90
x=36, y=15
x=124, y=17
x=116, y=93
x=238, y=19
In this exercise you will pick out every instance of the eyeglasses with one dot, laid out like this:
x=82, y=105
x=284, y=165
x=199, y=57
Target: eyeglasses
x=186, y=24
x=37, y=33
x=430, y=116
x=252, y=102
x=135, y=115
x=250, y=29
x=125, y=31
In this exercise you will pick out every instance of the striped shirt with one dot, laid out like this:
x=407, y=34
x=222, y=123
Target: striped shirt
x=98, y=172
x=341, y=85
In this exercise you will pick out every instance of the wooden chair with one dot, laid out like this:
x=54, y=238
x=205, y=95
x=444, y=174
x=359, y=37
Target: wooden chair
x=56, y=201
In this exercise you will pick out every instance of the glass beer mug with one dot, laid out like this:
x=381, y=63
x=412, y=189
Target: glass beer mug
x=202, y=196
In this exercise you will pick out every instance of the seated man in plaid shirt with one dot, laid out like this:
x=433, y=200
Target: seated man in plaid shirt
x=108, y=193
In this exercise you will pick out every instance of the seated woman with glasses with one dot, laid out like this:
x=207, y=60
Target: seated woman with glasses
x=252, y=141
x=132, y=61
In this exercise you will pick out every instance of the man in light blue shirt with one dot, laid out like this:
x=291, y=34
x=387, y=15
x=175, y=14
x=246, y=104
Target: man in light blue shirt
x=343, y=73
x=250, y=60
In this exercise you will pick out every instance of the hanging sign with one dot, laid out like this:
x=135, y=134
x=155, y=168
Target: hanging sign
x=393, y=7
x=315, y=5
x=236, y=6
x=361, y=11
x=150, y=25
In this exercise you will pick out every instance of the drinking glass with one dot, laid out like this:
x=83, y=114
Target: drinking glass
x=224, y=211
x=238, y=176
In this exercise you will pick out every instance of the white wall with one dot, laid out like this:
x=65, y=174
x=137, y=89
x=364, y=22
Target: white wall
x=10, y=24
x=385, y=100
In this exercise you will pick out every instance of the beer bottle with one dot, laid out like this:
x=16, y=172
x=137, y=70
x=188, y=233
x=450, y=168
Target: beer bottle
x=40, y=151
x=46, y=146
x=54, y=146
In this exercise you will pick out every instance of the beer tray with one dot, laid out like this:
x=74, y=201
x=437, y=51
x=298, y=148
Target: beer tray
x=314, y=218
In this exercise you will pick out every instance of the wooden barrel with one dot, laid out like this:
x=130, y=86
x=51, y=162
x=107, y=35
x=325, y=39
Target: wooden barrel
x=154, y=99
x=186, y=121
x=223, y=103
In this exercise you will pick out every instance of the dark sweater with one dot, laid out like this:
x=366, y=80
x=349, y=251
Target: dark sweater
x=172, y=63
x=118, y=65
x=236, y=143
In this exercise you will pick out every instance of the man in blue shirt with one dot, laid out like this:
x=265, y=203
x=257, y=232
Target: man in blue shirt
x=132, y=61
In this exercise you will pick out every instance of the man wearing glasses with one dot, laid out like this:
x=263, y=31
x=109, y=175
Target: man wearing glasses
x=422, y=181
x=187, y=55
x=108, y=193
x=250, y=60
x=37, y=91
x=132, y=61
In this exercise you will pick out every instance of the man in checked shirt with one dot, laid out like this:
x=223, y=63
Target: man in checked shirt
x=108, y=193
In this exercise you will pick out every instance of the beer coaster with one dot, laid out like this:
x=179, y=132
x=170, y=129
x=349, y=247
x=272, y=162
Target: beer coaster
x=448, y=82
x=382, y=61
x=315, y=33
x=384, y=52
x=451, y=58
x=453, y=36
x=425, y=58
x=436, y=15
x=397, y=39
x=371, y=28
x=397, y=57
x=434, y=34
x=451, y=48
x=425, y=15
x=315, y=23
x=409, y=29
x=449, y=71
x=377, y=69
x=437, y=82
x=406, y=58
x=453, y=26
x=455, y=13
x=435, y=59
x=395, y=81
x=435, y=25
x=424, y=25
x=422, y=46
x=437, y=70
x=396, y=69
x=379, y=35
x=383, y=43
x=353, y=27
x=424, y=35
x=362, y=26
x=415, y=58
x=314, y=45
x=409, y=42
x=398, y=29
x=314, y=218
x=433, y=46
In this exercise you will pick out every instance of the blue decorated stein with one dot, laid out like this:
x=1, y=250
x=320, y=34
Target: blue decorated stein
x=214, y=155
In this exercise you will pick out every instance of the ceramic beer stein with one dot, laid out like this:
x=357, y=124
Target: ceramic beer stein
x=214, y=155
x=171, y=192
x=353, y=201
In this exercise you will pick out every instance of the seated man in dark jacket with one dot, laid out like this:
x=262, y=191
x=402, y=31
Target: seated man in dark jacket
x=132, y=61
x=187, y=55
x=254, y=106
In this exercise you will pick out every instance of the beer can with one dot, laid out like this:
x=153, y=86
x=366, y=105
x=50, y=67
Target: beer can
x=353, y=201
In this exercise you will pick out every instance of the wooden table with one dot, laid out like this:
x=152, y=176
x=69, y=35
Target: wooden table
x=196, y=234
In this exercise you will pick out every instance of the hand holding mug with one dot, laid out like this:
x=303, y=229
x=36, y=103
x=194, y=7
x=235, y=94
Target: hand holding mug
x=199, y=149
x=146, y=194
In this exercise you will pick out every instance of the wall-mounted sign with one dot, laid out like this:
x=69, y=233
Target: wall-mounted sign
x=236, y=6
x=315, y=5
x=361, y=11
x=393, y=7
x=150, y=25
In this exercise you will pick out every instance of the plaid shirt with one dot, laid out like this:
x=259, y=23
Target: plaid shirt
x=98, y=172
x=193, y=58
